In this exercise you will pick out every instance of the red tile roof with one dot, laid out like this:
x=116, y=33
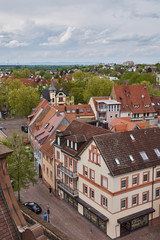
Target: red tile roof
x=131, y=96
x=77, y=110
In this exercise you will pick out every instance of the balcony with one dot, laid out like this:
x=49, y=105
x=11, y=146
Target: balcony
x=70, y=191
x=68, y=172
x=101, y=109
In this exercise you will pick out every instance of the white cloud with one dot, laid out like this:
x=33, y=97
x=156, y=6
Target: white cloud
x=15, y=43
x=66, y=35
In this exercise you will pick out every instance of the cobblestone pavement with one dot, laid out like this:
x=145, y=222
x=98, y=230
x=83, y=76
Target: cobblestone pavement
x=69, y=221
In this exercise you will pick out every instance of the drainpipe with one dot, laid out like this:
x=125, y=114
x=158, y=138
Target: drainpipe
x=54, y=172
x=152, y=190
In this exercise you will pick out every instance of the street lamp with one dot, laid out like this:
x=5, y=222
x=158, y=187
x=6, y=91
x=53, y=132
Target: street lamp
x=48, y=211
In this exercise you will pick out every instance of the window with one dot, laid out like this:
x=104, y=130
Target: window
x=66, y=179
x=104, y=202
x=85, y=189
x=67, y=142
x=58, y=155
x=70, y=162
x=75, y=146
x=58, y=140
x=91, y=193
x=61, y=99
x=134, y=200
x=123, y=183
x=98, y=159
x=145, y=177
x=49, y=130
x=88, y=110
x=51, y=174
x=92, y=174
x=158, y=173
x=131, y=158
x=145, y=197
x=143, y=155
x=117, y=161
x=157, y=152
x=94, y=157
x=123, y=203
x=66, y=162
x=46, y=125
x=47, y=170
x=132, y=137
x=81, y=110
x=85, y=171
x=158, y=193
x=68, y=111
x=91, y=156
x=104, y=182
x=73, y=110
x=135, y=180
x=71, y=144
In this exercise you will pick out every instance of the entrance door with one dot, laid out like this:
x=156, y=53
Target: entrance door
x=40, y=171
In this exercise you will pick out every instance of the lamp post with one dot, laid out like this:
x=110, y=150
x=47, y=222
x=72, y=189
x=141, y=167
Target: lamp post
x=48, y=211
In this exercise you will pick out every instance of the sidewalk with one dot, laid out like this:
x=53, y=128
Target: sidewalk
x=69, y=221
x=62, y=216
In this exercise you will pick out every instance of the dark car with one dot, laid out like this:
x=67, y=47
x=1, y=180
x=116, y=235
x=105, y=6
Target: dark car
x=24, y=128
x=33, y=207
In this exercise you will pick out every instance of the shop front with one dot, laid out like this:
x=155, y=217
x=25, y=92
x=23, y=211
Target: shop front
x=134, y=221
x=72, y=201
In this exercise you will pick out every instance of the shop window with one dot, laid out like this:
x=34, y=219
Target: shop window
x=104, y=182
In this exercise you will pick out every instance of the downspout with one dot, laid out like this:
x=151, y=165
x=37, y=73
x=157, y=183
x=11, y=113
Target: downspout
x=55, y=187
x=152, y=190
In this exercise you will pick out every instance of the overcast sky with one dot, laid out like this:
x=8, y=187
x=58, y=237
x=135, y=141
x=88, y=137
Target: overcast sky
x=99, y=31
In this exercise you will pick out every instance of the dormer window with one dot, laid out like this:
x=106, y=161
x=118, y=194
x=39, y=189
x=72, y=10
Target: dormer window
x=50, y=129
x=46, y=125
x=132, y=137
x=143, y=155
x=136, y=106
x=157, y=152
x=146, y=105
x=75, y=146
x=58, y=141
x=131, y=158
x=67, y=142
x=81, y=110
x=68, y=111
x=73, y=110
x=71, y=144
x=117, y=161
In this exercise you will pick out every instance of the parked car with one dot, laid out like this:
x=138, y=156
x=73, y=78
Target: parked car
x=33, y=207
x=24, y=128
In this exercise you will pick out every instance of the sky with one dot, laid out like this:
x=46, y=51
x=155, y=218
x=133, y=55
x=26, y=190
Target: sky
x=79, y=31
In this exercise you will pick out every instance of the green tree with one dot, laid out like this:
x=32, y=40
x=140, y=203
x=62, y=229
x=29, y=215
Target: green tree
x=78, y=94
x=20, y=165
x=47, y=76
x=80, y=78
x=97, y=87
x=23, y=100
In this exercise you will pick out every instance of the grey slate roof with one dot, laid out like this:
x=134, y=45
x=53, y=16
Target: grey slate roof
x=120, y=146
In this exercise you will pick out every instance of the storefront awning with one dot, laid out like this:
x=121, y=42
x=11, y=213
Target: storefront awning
x=135, y=215
x=91, y=209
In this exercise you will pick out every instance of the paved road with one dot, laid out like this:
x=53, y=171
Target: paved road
x=62, y=216
x=69, y=221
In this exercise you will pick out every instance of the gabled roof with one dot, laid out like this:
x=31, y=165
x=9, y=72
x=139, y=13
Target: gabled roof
x=77, y=110
x=81, y=133
x=47, y=147
x=121, y=145
x=134, y=98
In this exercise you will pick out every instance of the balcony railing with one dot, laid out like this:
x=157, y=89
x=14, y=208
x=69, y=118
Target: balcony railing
x=70, y=191
x=101, y=109
x=68, y=172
